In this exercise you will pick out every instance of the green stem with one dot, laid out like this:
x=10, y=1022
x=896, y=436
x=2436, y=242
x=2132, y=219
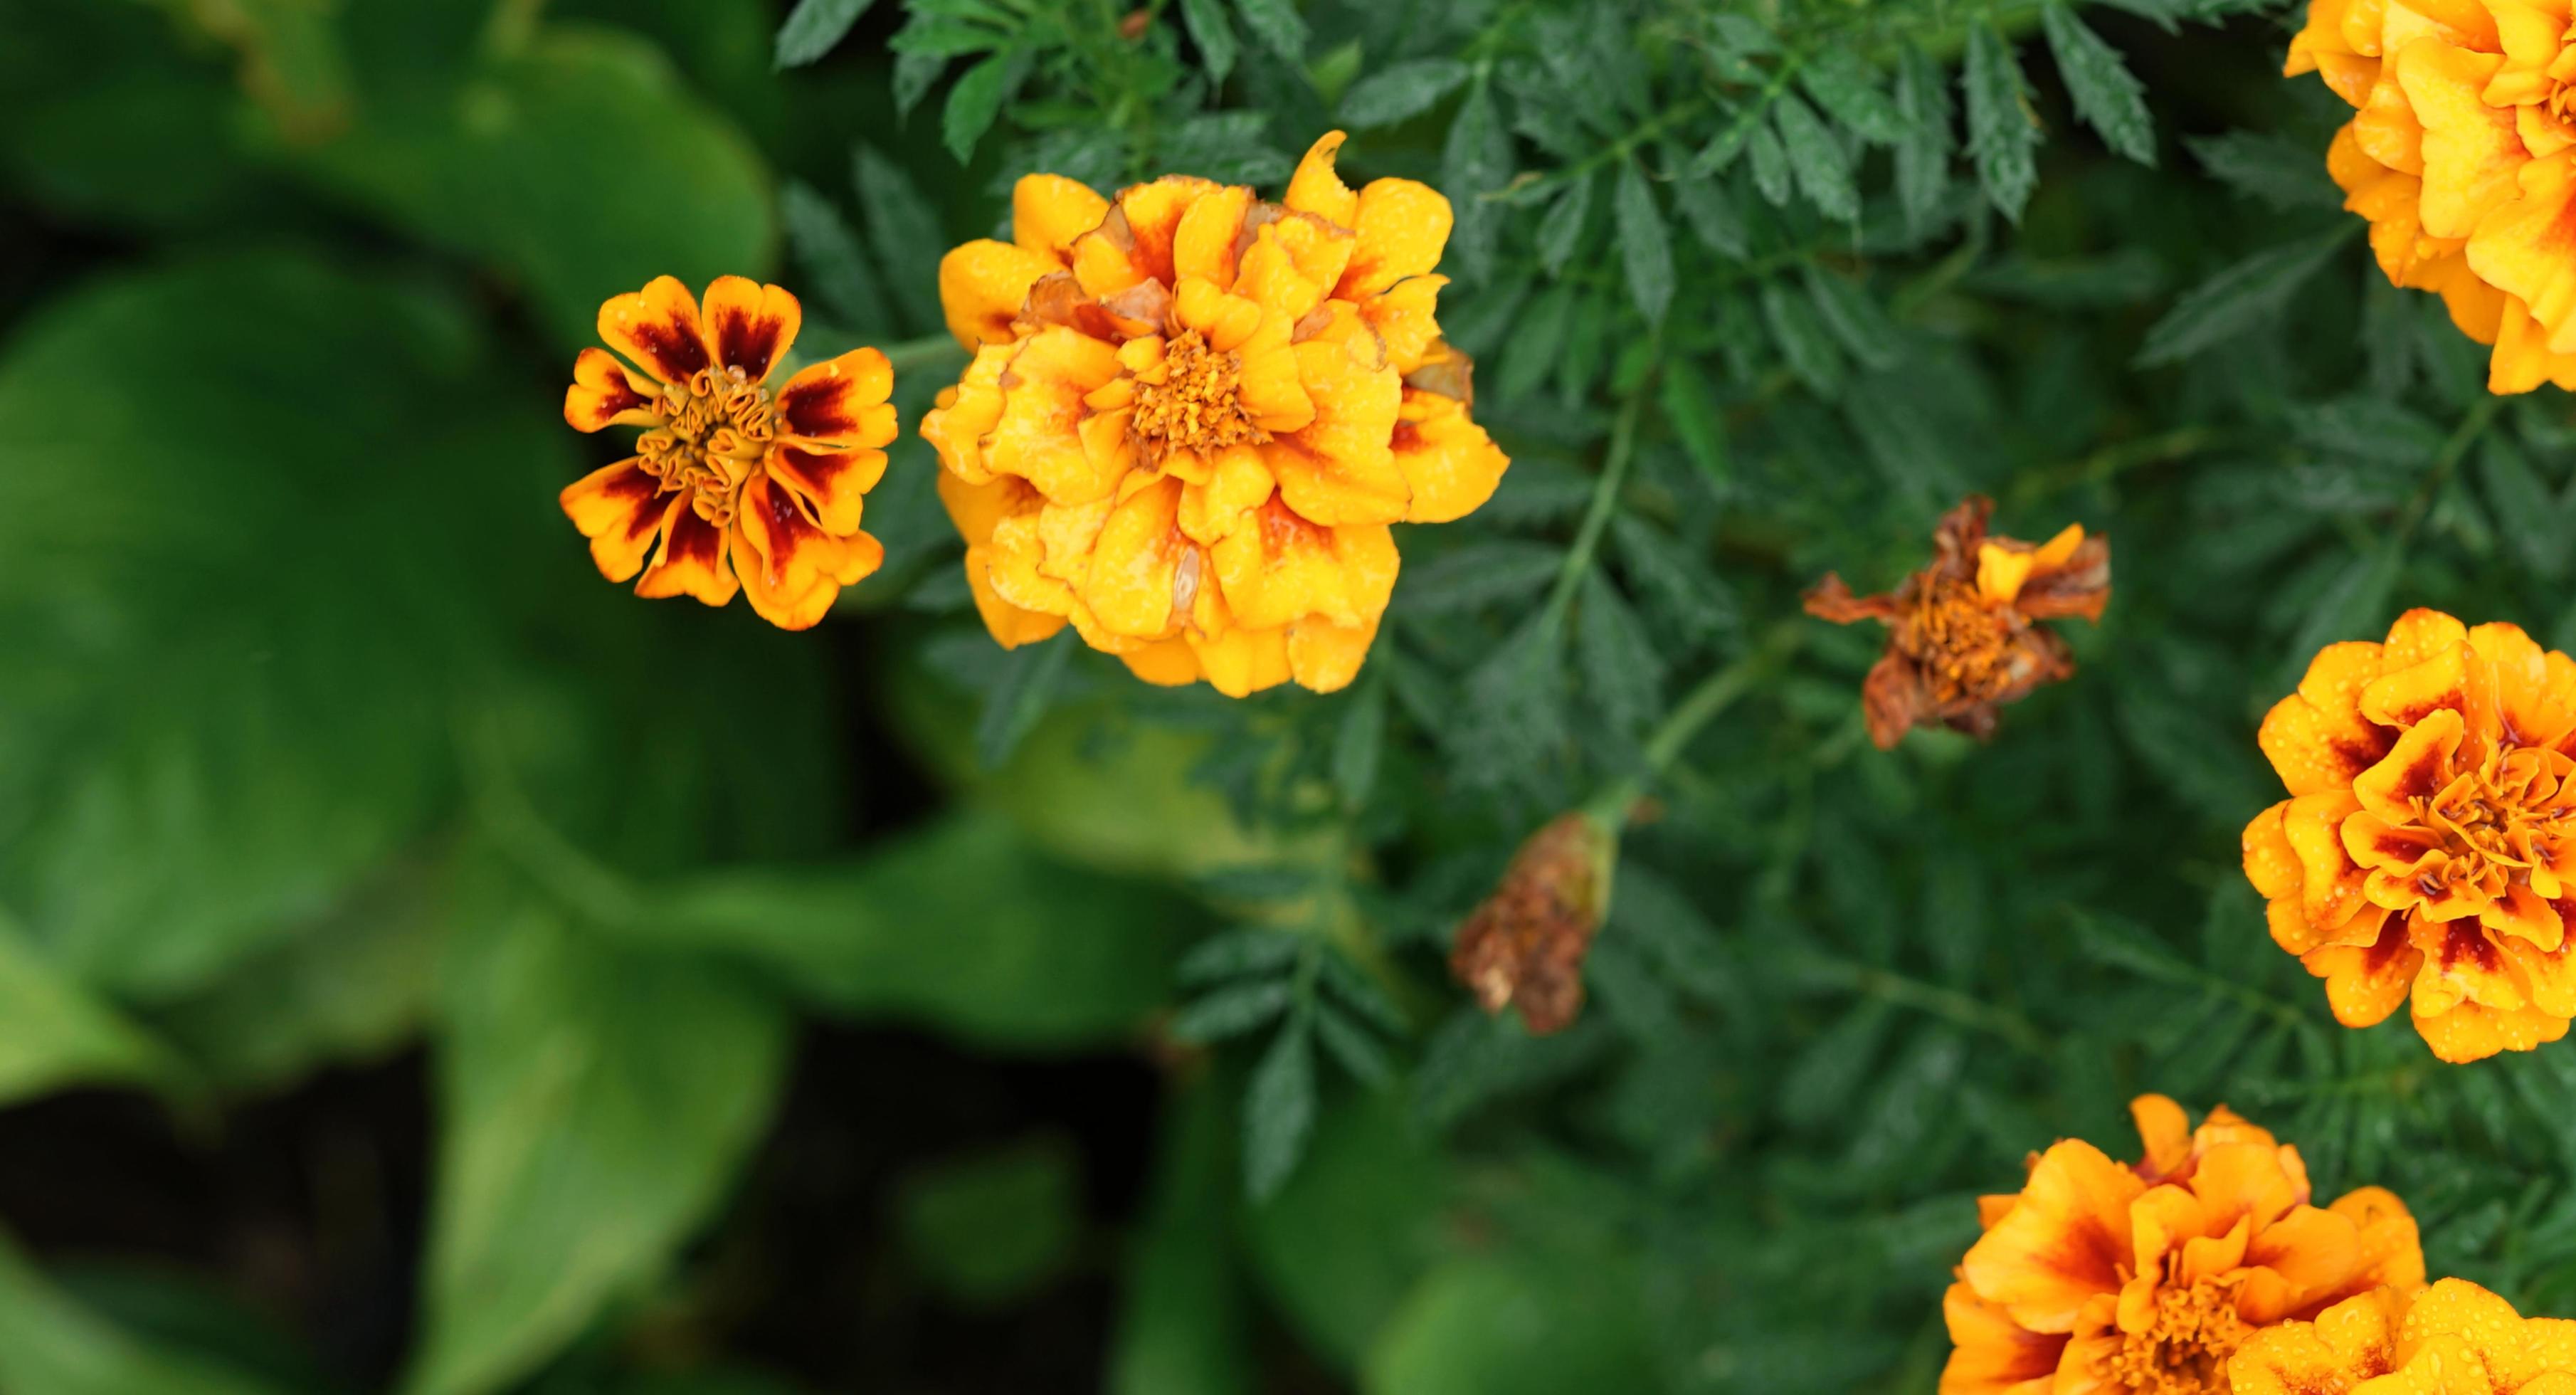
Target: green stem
x=1698, y=707
x=2454, y=450
x=1605, y=499
x=929, y=351
x=1949, y=1004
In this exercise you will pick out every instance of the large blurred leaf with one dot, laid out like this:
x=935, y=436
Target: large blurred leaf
x=1344, y=1239
x=51, y=1345
x=1180, y=1330
x=230, y=591
x=53, y=1033
x=1513, y=1324
x=595, y=1102
x=579, y=163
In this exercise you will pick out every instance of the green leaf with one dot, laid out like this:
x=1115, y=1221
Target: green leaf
x=1822, y=166
x=1013, y=708
x=1560, y=233
x=1801, y=336
x=990, y=1229
x=1359, y=742
x=1340, y=1243
x=1620, y=667
x=1232, y=1011
x=2002, y=132
x=1474, y=159
x=53, y=1033
x=1400, y=91
x=1182, y=1322
x=835, y=265
x=1855, y=318
x=1351, y=1045
x=2267, y=167
x=1923, y=156
x=2533, y=523
x=1277, y=25
x=2107, y=96
x=1536, y=346
x=2252, y=292
x=1770, y=166
x=1843, y=84
x=1214, y=36
x=1690, y=408
x=557, y=162
x=597, y=1101
x=1516, y=1323
x=1480, y=574
x=976, y=100
x=814, y=28
x=1645, y=248
x=905, y=233
x=2356, y=606
x=51, y=1345
x=1677, y=584
x=1278, y=1110
x=1709, y=212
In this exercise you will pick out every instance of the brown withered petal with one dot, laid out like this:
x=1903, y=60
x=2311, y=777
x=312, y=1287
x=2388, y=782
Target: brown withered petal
x=1962, y=638
x=1524, y=945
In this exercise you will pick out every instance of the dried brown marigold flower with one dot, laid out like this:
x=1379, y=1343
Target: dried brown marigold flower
x=1961, y=633
x=1525, y=944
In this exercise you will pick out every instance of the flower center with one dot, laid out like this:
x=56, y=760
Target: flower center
x=2494, y=820
x=1197, y=406
x=1961, y=641
x=2184, y=1348
x=714, y=429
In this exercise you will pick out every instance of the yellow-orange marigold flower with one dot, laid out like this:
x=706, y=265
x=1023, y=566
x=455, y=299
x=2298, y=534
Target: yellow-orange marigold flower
x=2454, y=1338
x=2102, y=1278
x=1961, y=640
x=734, y=483
x=1192, y=415
x=2427, y=852
x=2462, y=156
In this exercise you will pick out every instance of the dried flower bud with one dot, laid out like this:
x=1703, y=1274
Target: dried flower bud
x=1525, y=944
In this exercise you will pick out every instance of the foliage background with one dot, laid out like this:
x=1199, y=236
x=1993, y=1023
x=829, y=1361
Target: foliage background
x=425, y=968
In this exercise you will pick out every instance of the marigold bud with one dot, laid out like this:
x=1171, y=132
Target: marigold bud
x=1525, y=944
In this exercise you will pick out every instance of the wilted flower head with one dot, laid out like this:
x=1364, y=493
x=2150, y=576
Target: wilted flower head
x=2454, y=1338
x=1524, y=945
x=1961, y=636
x=1192, y=414
x=2100, y=1278
x=734, y=483
x=2426, y=851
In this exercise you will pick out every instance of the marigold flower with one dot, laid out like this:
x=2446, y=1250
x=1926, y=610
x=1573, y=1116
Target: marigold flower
x=1524, y=945
x=733, y=483
x=2460, y=158
x=2144, y=1278
x=2426, y=852
x=1192, y=415
x=2454, y=1338
x=1961, y=640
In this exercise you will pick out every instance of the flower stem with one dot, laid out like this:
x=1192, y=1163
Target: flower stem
x=1698, y=707
x=929, y=351
x=1605, y=499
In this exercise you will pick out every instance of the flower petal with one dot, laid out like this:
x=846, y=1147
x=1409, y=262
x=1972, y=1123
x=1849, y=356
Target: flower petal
x=1243, y=660
x=1324, y=657
x=2063, y=1245
x=691, y=562
x=2165, y=1131
x=2364, y=984
x=2316, y=738
x=1049, y=211
x=2472, y=151
x=2470, y=1032
x=833, y=483
x=1037, y=435
x=793, y=570
x=983, y=285
x=658, y=328
x=1317, y=187
x=1138, y=563
x=1134, y=240
x=750, y=326
x=841, y=401
x=1450, y=466
x=1340, y=469
x=605, y=392
x=2415, y=768
x=1403, y=227
x=1990, y=1353
x=2392, y=1251
x=620, y=509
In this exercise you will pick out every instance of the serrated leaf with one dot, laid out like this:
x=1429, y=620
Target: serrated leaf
x=1537, y=340
x=976, y=100
x=1277, y=25
x=813, y=28
x=1770, y=165
x=1923, y=156
x=1232, y=1010
x=1343, y=982
x=2267, y=167
x=1479, y=574
x=1279, y=1110
x=1678, y=586
x=1855, y=318
x=2532, y=522
x=1800, y=334
x=1843, y=83
x=1358, y=743
x=1822, y=166
x=915, y=73
x=2250, y=293
x=1475, y=158
x=1708, y=211
x=1400, y=91
x=2002, y=133
x=1248, y=950
x=1645, y=247
x=1210, y=30
x=1350, y=1044
x=1013, y=708
x=1560, y=233
x=1690, y=407
x=904, y=233
x=835, y=265
x=1620, y=667
x=2110, y=99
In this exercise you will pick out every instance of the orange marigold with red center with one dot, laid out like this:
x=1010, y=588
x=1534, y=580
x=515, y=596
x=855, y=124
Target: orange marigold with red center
x=734, y=484
x=1192, y=415
x=2463, y=158
x=2426, y=852
x=2454, y=1338
x=2103, y=1278
x=1961, y=640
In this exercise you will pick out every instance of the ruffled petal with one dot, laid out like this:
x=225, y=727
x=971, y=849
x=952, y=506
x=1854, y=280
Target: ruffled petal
x=1037, y=434
x=2316, y=738
x=1341, y=469
x=1990, y=1353
x=984, y=284
x=2364, y=984
x=750, y=326
x=841, y=401
x=1450, y=466
x=658, y=328
x=691, y=562
x=620, y=509
x=833, y=483
x=605, y=393
x=1049, y=211
x=791, y=569
x=1403, y=227
x=2066, y=1242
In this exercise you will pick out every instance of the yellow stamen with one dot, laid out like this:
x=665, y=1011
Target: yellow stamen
x=2185, y=1347
x=1196, y=405
x=714, y=428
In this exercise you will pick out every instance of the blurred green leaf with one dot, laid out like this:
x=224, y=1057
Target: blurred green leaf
x=1645, y=245
x=1513, y=1324
x=53, y=1033
x=51, y=1345
x=815, y=27
x=1279, y=1109
x=2002, y=133
x=1182, y=1316
x=1340, y=1243
x=2107, y=96
x=990, y=1229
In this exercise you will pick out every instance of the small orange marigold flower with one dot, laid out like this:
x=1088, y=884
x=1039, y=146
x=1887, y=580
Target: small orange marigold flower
x=2454, y=1338
x=1191, y=416
x=2427, y=850
x=2462, y=156
x=734, y=484
x=2103, y=1278
x=1525, y=944
x=1961, y=640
